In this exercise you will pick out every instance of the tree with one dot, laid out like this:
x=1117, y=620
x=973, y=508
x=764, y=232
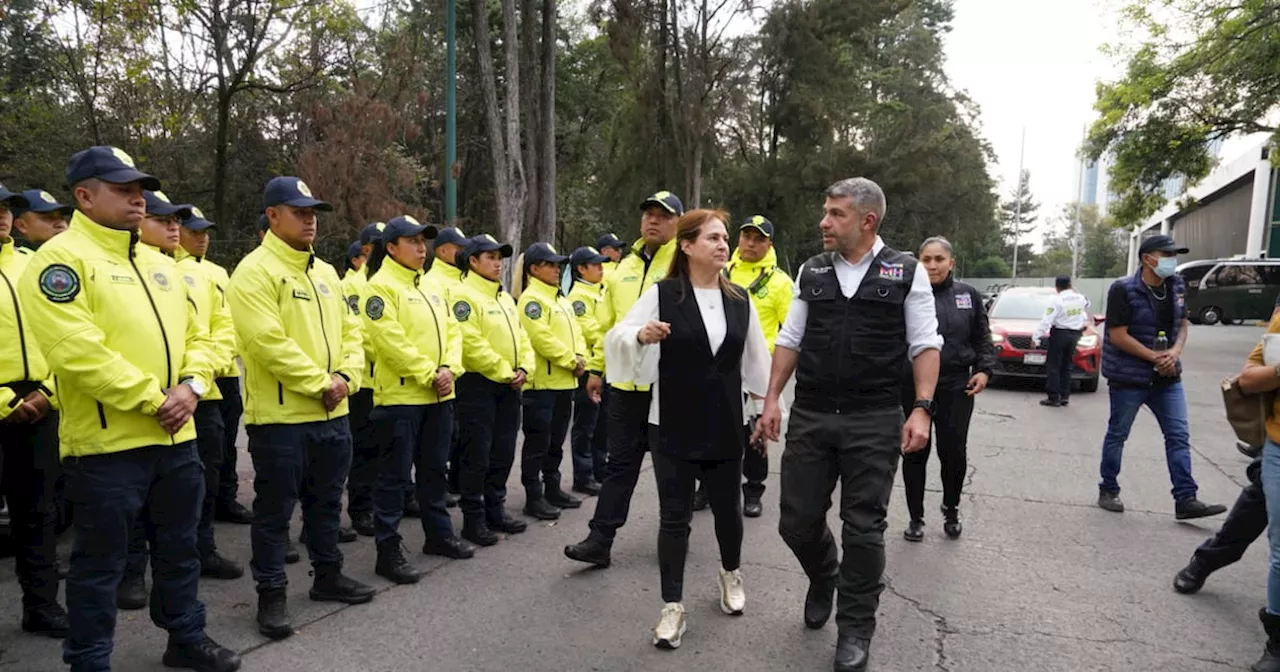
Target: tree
x=1208, y=69
x=1018, y=218
x=509, y=180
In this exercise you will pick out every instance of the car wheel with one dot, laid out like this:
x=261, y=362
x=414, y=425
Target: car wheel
x=1090, y=385
x=1210, y=315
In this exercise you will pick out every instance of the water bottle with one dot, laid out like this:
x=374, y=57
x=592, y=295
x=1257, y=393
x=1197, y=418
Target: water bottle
x=1162, y=344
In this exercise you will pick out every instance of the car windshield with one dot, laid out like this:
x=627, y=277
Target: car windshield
x=1021, y=306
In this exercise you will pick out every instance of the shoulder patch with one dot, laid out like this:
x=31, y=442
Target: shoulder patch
x=533, y=310
x=353, y=303
x=191, y=282
x=461, y=311
x=580, y=308
x=374, y=307
x=59, y=283
x=162, y=280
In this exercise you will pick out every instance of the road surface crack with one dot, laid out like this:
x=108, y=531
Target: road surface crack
x=940, y=626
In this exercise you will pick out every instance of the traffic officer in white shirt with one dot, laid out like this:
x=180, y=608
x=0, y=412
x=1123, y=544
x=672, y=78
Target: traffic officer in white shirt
x=1063, y=322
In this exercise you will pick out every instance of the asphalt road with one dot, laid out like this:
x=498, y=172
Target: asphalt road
x=1041, y=580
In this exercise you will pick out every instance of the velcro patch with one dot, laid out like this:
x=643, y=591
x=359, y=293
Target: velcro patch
x=461, y=311
x=891, y=271
x=579, y=308
x=374, y=307
x=533, y=310
x=59, y=283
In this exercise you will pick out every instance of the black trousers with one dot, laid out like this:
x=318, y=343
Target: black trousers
x=489, y=419
x=951, y=432
x=232, y=407
x=676, y=477
x=210, y=435
x=546, y=417
x=364, y=455
x=588, y=463
x=755, y=467
x=1062, y=347
x=628, y=428
x=860, y=451
x=31, y=469
x=1245, y=522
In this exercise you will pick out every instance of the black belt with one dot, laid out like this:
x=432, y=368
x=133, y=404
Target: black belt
x=1074, y=331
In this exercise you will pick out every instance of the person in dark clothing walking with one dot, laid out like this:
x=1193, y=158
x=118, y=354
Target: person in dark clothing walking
x=1245, y=522
x=966, y=363
x=710, y=348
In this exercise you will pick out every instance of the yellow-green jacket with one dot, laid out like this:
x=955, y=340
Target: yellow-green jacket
x=212, y=313
x=547, y=316
x=410, y=329
x=117, y=327
x=622, y=287
x=353, y=284
x=583, y=297
x=24, y=365
x=445, y=279
x=493, y=344
x=294, y=331
x=769, y=288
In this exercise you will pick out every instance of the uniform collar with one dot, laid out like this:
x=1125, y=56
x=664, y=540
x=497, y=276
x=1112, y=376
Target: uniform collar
x=351, y=273
x=542, y=289
x=447, y=270
x=119, y=241
x=485, y=285
x=946, y=283
x=8, y=248
x=182, y=253
x=299, y=259
x=770, y=260
x=157, y=250
x=400, y=274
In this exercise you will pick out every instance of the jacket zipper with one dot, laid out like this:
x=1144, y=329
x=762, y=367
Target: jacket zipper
x=573, y=340
x=102, y=415
x=164, y=335
x=435, y=319
x=22, y=338
x=280, y=392
x=328, y=352
x=515, y=346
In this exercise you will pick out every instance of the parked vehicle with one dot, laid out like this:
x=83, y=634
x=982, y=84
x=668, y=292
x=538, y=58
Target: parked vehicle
x=1231, y=290
x=1014, y=316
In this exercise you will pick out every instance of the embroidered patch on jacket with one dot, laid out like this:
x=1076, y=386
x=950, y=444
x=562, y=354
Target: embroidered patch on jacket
x=461, y=311
x=59, y=283
x=533, y=310
x=579, y=308
x=964, y=302
x=891, y=271
x=162, y=280
x=374, y=307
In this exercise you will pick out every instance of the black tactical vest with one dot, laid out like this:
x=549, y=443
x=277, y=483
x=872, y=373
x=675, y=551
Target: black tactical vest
x=700, y=399
x=854, y=350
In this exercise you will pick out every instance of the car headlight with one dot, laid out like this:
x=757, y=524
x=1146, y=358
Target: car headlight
x=1087, y=342
x=997, y=338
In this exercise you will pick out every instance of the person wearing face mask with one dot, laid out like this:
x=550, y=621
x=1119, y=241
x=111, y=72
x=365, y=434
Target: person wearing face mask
x=1141, y=308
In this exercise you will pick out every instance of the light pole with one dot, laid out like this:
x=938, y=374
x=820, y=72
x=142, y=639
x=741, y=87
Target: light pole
x=451, y=113
x=1017, y=204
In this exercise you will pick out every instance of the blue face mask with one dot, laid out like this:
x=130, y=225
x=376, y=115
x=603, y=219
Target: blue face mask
x=1166, y=266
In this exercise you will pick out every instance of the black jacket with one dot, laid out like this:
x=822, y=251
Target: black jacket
x=966, y=335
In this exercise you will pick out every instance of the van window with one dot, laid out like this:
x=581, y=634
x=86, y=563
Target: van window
x=1271, y=274
x=1238, y=275
x=1194, y=273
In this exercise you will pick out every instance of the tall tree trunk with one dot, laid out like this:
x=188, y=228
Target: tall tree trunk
x=493, y=115
x=547, y=225
x=530, y=104
x=517, y=186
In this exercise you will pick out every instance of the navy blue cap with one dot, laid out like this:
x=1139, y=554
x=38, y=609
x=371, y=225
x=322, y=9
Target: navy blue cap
x=759, y=223
x=11, y=199
x=263, y=222
x=159, y=204
x=406, y=226
x=540, y=252
x=1161, y=243
x=484, y=243
x=40, y=201
x=371, y=232
x=354, y=250
x=608, y=240
x=196, y=221
x=665, y=200
x=586, y=255
x=1062, y=281
x=293, y=192
x=109, y=164
x=450, y=235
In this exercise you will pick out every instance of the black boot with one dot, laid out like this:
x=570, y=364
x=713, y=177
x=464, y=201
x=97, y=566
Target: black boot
x=477, y=532
x=589, y=487
x=1270, y=660
x=1194, y=508
x=411, y=507
x=751, y=506
x=852, y=653
x=449, y=547
x=951, y=521
x=215, y=566
x=362, y=523
x=561, y=499
x=291, y=554
x=233, y=512
x=1192, y=577
x=51, y=620
x=915, y=530
x=273, y=614
x=700, y=498
x=541, y=509
x=331, y=585
x=589, y=551
x=205, y=655
x=391, y=564
x=819, y=602
x=131, y=593
x=505, y=523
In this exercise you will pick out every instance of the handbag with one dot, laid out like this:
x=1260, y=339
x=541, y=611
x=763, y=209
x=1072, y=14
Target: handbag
x=1247, y=413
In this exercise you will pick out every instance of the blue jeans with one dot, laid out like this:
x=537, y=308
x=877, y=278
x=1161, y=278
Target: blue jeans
x=1169, y=404
x=546, y=424
x=307, y=461
x=488, y=420
x=412, y=437
x=1271, y=488
x=588, y=454
x=165, y=485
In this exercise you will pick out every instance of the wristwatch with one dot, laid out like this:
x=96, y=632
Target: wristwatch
x=927, y=404
x=195, y=385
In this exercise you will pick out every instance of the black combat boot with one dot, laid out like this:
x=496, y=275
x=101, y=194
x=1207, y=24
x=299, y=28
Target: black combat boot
x=476, y=531
x=391, y=563
x=273, y=613
x=951, y=521
x=205, y=655
x=1270, y=660
x=331, y=585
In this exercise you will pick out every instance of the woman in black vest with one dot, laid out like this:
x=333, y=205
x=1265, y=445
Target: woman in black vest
x=968, y=358
x=710, y=348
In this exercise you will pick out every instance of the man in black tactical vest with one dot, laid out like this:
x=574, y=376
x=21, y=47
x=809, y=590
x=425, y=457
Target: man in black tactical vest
x=864, y=311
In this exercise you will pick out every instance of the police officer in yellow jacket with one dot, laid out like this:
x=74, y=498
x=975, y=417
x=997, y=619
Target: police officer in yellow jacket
x=193, y=258
x=559, y=361
x=364, y=450
x=497, y=357
x=627, y=422
x=419, y=348
x=611, y=247
x=586, y=268
x=301, y=347
x=353, y=277
x=131, y=363
x=445, y=277
x=41, y=219
x=28, y=441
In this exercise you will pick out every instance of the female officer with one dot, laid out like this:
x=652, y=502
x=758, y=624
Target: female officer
x=586, y=266
x=497, y=358
x=967, y=360
x=559, y=361
x=710, y=347
x=418, y=348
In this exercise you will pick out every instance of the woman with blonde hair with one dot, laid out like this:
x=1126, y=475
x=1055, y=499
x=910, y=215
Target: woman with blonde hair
x=696, y=339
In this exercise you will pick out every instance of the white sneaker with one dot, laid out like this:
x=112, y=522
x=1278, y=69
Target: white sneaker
x=670, y=628
x=732, y=597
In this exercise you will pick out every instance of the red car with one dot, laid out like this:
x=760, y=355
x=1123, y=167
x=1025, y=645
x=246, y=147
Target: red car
x=1014, y=316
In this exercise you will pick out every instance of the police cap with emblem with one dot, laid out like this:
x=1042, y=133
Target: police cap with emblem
x=108, y=164
x=665, y=200
x=405, y=226
x=759, y=223
x=12, y=199
x=485, y=243
x=40, y=201
x=196, y=221
x=450, y=235
x=158, y=204
x=585, y=255
x=371, y=232
x=292, y=192
x=607, y=240
x=543, y=252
